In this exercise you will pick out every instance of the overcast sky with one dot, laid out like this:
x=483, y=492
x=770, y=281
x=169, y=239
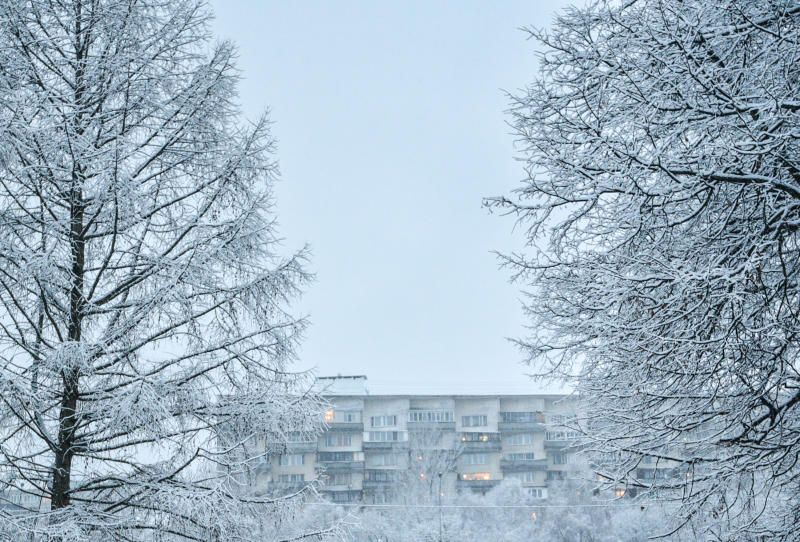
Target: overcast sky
x=391, y=128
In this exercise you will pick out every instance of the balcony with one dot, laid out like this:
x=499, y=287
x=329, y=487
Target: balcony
x=490, y=446
x=520, y=465
x=339, y=487
x=345, y=496
x=479, y=442
x=344, y=420
x=306, y=447
x=339, y=466
x=378, y=485
x=521, y=427
x=380, y=478
x=431, y=426
x=385, y=445
x=262, y=466
x=380, y=439
x=337, y=425
x=477, y=485
x=285, y=488
x=529, y=421
x=559, y=444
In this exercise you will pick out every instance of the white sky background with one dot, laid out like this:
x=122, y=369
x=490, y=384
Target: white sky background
x=391, y=128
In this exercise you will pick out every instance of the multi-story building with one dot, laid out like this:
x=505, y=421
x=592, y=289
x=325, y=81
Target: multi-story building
x=374, y=444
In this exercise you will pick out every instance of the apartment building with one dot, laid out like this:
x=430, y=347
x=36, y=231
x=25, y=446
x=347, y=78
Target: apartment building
x=374, y=445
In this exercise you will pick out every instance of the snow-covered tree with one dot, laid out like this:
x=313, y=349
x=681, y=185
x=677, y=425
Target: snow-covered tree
x=144, y=338
x=662, y=211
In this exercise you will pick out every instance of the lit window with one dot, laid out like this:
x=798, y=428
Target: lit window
x=479, y=437
x=619, y=493
x=476, y=476
x=329, y=415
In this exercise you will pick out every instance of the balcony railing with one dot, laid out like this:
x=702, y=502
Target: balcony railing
x=517, y=465
x=561, y=444
x=431, y=426
x=339, y=466
x=521, y=427
x=303, y=447
x=385, y=445
x=338, y=425
x=521, y=421
x=477, y=485
x=480, y=442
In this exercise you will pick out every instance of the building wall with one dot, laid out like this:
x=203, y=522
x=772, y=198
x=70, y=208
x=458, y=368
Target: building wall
x=470, y=456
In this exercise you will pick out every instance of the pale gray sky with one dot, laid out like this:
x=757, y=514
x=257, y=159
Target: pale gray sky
x=391, y=129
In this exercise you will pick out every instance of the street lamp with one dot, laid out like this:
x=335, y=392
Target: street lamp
x=440, y=507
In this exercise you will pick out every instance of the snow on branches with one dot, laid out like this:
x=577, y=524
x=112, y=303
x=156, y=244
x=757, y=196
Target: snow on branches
x=662, y=208
x=143, y=300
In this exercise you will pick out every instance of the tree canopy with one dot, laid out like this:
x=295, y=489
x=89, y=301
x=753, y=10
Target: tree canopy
x=662, y=207
x=143, y=296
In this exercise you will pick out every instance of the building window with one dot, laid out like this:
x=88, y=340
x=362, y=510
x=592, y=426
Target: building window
x=338, y=439
x=385, y=436
x=537, y=492
x=528, y=456
x=520, y=417
x=475, y=476
x=475, y=459
x=480, y=437
x=351, y=417
x=560, y=458
x=341, y=496
x=555, y=476
x=291, y=460
x=524, y=477
x=557, y=419
x=333, y=457
x=380, y=476
x=291, y=478
x=430, y=416
x=299, y=436
x=653, y=474
x=340, y=479
x=479, y=420
x=383, y=460
x=329, y=414
x=383, y=421
x=520, y=439
x=561, y=435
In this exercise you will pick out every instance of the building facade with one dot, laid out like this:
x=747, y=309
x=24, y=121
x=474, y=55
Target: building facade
x=376, y=446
